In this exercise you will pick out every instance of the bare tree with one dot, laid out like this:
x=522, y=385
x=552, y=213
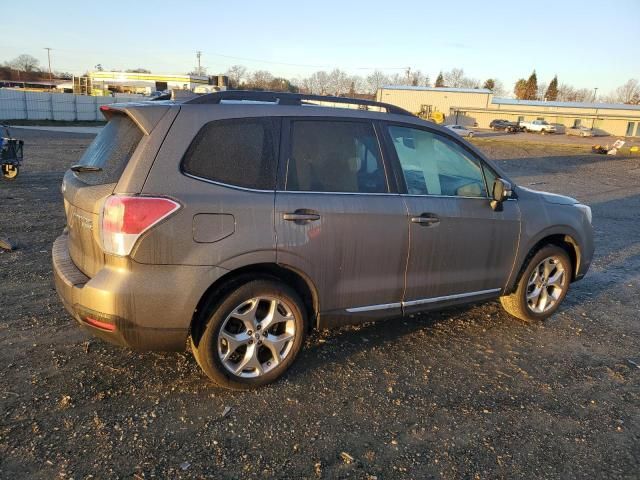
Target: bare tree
x=454, y=78
x=498, y=88
x=542, y=90
x=260, y=79
x=339, y=82
x=24, y=63
x=629, y=92
x=376, y=80
x=317, y=83
x=567, y=93
x=468, y=82
x=418, y=79
x=236, y=74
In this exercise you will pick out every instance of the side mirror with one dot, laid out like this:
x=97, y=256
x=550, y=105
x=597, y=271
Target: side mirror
x=501, y=192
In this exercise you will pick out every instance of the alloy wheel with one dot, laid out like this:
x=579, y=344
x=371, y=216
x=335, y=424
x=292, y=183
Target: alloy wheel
x=256, y=336
x=546, y=284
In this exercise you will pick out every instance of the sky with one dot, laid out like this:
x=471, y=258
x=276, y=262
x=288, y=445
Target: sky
x=587, y=43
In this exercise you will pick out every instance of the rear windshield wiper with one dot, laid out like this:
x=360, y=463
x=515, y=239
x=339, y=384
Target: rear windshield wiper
x=85, y=168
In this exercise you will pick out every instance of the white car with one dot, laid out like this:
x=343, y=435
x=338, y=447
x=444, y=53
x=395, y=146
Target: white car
x=460, y=130
x=540, y=126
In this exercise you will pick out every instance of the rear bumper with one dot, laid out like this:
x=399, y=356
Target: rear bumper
x=143, y=307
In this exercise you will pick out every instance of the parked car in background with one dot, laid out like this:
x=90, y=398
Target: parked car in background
x=240, y=221
x=460, y=130
x=505, y=125
x=541, y=126
x=580, y=131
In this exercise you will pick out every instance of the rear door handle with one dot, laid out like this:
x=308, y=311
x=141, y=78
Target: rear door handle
x=301, y=216
x=426, y=219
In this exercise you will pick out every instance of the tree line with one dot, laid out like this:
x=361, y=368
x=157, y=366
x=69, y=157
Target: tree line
x=529, y=89
x=338, y=82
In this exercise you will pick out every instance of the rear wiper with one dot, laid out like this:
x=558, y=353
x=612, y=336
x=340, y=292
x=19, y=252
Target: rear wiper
x=85, y=168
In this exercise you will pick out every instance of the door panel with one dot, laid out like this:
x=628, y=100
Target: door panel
x=470, y=249
x=355, y=253
x=336, y=219
x=458, y=245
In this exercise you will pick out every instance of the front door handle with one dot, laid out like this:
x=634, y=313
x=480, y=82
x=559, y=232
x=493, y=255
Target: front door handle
x=426, y=220
x=301, y=216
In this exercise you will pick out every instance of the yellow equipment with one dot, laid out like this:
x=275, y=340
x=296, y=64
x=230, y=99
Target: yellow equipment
x=427, y=113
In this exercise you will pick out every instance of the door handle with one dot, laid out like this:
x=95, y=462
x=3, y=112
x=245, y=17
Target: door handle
x=426, y=220
x=301, y=216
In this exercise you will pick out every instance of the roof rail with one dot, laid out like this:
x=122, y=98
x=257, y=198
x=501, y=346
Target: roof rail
x=286, y=98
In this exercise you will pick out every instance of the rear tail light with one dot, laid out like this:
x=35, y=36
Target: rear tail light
x=125, y=219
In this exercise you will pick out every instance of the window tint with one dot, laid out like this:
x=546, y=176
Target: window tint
x=111, y=150
x=435, y=165
x=334, y=156
x=236, y=152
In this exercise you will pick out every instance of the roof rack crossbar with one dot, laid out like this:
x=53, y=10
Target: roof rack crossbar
x=287, y=98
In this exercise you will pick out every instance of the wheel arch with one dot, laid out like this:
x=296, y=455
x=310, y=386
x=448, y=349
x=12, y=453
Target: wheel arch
x=564, y=240
x=233, y=279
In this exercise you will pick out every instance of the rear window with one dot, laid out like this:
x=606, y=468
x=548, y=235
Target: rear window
x=238, y=152
x=111, y=150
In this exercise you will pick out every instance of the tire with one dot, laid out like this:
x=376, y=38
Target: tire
x=238, y=318
x=523, y=303
x=10, y=172
x=542, y=132
x=470, y=135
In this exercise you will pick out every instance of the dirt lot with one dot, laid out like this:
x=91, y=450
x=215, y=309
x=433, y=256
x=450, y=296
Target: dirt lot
x=464, y=393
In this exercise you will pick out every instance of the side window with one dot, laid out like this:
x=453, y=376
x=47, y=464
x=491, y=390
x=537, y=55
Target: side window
x=238, y=152
x=334, y=156
x=435, y=165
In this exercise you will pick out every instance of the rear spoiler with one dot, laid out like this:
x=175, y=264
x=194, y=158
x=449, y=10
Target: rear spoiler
x=146, y=116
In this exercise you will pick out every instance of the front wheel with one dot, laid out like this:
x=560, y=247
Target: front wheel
x=252, y=336
x=542, y=286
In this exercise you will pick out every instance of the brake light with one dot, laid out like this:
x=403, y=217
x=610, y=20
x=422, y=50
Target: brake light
x=125, y=219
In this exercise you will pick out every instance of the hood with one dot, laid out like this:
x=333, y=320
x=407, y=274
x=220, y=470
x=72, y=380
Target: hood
x=552, y=197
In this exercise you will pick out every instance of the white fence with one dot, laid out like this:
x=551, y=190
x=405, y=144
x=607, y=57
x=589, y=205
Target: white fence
x=17, y=105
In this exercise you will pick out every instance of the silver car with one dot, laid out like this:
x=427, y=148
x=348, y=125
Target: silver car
x=580, y=131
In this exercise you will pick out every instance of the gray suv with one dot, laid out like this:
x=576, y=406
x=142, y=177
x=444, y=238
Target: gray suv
x=239, y=221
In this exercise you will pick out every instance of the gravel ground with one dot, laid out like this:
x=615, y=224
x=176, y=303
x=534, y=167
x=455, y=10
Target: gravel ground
x=463, y=393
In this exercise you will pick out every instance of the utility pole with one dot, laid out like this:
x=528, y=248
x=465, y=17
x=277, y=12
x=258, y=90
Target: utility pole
x=198, y=54
x=595, y=94
x=408, y=75
x=49, y=58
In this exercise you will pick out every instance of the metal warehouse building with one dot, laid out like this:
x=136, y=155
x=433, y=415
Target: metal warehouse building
x=478, y=107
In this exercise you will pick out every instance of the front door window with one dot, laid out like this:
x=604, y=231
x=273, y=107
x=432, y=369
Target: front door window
x=434, y=165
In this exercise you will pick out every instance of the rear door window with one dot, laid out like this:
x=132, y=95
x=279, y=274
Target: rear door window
x=335, y=156
x=111, y=150
x=237, y=152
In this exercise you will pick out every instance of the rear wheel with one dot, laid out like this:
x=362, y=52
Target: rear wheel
x=252, y=336
x=542, y=286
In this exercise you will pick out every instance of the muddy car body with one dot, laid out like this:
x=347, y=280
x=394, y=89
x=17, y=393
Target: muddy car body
x=238, y=221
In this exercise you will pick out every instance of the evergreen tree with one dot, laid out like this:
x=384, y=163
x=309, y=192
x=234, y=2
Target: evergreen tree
x=520, y=89
x=531, y=89
x=440, y=80
x=552, y=91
